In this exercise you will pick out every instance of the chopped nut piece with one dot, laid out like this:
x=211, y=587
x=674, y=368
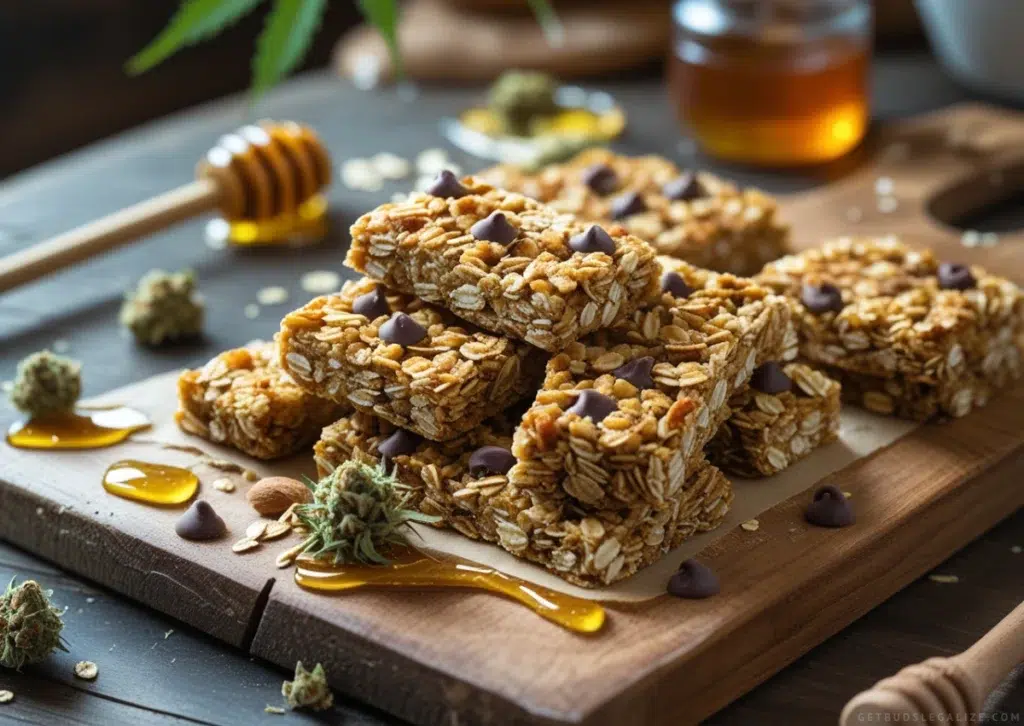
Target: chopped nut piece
x=242, y=398
x=717, y=226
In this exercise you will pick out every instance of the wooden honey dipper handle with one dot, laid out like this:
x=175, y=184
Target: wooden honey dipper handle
x=954, y=688
x=257, y=173
x=108, y=233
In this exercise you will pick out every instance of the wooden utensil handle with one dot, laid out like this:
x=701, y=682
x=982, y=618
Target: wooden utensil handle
x=950, y=688
x=108, y=233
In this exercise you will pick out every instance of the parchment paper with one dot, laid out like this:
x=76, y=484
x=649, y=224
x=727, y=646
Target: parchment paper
x=861, y=433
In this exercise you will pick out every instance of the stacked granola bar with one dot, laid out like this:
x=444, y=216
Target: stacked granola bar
x=696, y=217
x=905, y=333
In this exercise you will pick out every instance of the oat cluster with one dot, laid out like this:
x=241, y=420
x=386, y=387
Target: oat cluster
x=727, y=229
x=767, y=432
x=902, y=343
x=244, y=399
x=440, y=387
x=537, y=289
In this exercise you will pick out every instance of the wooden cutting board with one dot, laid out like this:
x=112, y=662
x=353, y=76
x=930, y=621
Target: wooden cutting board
x=458, y=658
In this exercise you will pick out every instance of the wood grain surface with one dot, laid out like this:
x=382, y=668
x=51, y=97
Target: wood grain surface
x=69, y=316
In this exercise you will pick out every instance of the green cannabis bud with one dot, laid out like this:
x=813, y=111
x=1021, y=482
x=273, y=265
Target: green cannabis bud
x=29, y=625
x=308, y=690
x=358, y=511
x=46, y=384
x=163, y=308
x=518, y=97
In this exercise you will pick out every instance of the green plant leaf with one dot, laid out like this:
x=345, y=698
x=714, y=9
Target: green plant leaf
x=383, y=15
x=196, y=20
x=284, y=41
x=548, y=20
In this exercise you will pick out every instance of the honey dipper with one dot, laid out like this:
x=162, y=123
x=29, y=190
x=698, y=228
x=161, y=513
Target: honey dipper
x=943, y=688
x=255, y=173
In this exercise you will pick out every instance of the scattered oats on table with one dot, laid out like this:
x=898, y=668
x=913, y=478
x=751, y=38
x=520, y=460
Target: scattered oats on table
x=86, y=670
x=224, y=485
x=751, y=525
x=944, y=579
x=272, y=295
x=320, y=282
x=6, y=696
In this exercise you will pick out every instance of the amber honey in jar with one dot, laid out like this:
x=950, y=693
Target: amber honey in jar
x=772, y=82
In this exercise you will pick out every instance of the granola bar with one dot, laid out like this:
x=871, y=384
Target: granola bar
x=507, y=263
x=408, y=362
x=697, y=217
x=243, y=399
x=586, y=548
x=623, y=416
x=785, y=414
x=904, y=333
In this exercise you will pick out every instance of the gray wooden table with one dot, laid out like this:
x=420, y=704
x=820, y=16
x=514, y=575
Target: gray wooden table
x=156, y=671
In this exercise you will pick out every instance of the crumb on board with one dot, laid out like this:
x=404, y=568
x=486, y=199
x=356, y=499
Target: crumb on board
x=944, y=579
x=6, y=696
x=751, y=525
x=86, y=670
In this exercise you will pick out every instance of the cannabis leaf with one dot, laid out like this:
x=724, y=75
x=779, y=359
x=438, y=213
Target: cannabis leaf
x=195, y=21
x=284, y=41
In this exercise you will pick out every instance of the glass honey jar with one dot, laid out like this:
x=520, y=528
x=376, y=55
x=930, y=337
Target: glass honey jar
x=772, y=82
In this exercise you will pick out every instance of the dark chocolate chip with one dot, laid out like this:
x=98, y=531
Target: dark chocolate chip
x=684, y=188
x=694, y=581
x=491, y=460
x=372, y=304
x=200, y=522
x=955, y=276
x=593, y=404
x=601, y=178
x=494, y=228
x=447, y=185
x=402, y=329
x=637, y=372
x=830, y=508
x=821, y=298
x=770, y=378
x=627, y=204
x=674, y=284
x=594, y=239
x=398, y=443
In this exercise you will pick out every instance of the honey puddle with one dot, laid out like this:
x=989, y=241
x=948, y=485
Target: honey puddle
x=413, y=569
x=84, y=430
x=150, y=483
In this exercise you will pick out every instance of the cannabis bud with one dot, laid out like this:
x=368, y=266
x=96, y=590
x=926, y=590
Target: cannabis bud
x=308, y=690
x=164, y=307
x=46, y=384
x=357, y=512
x=518, y=97
x=29, y=626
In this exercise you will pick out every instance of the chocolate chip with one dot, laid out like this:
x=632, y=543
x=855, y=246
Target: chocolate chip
x=694, y=581
x=402, y=329
x=372, y=304
x=491, y=460
x=398, y=443
x=684, y=188
x=830, y=508
x=955, y=276
x=601, y=178
x=495, y=228
x=627, y=204
x=199, y=522
x=821, y=298
x=593, y=404
x=674, y=284
x=594, y=239
x=637, y=372
x=447, y=185
x=770, y=378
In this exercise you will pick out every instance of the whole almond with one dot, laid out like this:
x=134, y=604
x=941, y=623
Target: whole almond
x=274, y=494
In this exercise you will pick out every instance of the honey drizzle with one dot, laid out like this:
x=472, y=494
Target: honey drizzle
x=412, y=569
x=143, y=481
x=93, y=429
